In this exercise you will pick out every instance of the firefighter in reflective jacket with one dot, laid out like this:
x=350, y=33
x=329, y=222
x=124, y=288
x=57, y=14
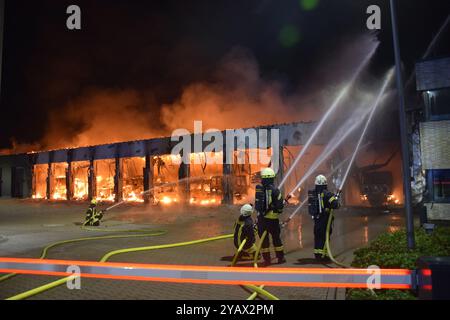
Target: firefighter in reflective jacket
x=269, y=204
x=244, y=230
x=321, y=205
x=93, y=216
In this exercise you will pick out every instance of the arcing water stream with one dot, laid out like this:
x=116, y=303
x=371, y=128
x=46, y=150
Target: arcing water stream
x=333, y=146
x=329, y=112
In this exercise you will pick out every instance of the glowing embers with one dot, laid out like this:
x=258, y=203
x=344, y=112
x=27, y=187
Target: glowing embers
x=39, y=181
x=58, y=184
x=167, y=187
x=247, y=165
x=205, y=185
x=205, y=201
x=104, y=175
x=392, y=198
x=133, y=179
x=80, y=180
x=201, y=182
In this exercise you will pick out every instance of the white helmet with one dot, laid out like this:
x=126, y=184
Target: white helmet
x=321, y=180
x=246, y=210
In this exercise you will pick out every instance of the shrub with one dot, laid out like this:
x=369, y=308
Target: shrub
x=389, y=250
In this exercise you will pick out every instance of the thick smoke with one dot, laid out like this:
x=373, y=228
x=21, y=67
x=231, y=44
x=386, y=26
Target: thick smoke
x=101, y=116
x=240, y=97
x=236, y=96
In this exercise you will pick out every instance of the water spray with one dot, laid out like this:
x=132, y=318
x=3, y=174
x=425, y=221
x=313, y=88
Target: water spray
x=369, y=119
x=301, y=205
x=167, y=184
x=325, y=155
x=330, y=149
x=332, y=108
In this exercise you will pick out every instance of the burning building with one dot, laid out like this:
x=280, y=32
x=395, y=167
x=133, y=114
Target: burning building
x=147, y=171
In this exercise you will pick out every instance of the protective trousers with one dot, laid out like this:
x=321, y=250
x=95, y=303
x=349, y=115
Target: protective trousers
x=272, y=226
x=320, y=233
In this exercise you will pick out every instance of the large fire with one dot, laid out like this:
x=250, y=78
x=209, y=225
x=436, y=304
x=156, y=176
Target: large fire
x=203, y=188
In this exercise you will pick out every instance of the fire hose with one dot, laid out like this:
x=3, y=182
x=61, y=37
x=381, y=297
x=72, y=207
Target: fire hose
x=257, y=290
x=355, y=278
x=255, y=264
x=327, y=243
x=145, y=233
x=108, y=255
x=327, y=233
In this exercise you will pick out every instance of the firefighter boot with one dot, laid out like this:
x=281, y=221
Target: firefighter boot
x=281, y=260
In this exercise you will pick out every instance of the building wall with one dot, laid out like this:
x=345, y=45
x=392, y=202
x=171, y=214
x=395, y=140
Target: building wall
x=438, y=211
x=6, y=180
x=435, y=144
x=433, y=80
x=433, y=74
x=7, y=165
x=294, y=134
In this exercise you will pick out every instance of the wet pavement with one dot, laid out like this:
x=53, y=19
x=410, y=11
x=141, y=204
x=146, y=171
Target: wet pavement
x=27, y=226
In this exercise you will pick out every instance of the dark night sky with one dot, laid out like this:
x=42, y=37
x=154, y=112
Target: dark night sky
x=159, y=47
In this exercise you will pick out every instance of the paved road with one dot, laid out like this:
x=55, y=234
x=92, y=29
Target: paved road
x=27, y=226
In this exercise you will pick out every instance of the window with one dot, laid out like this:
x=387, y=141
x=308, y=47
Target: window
x=438, y=102
x=440, y=185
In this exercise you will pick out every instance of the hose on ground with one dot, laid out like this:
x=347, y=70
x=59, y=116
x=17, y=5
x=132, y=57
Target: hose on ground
x=61, y=281
x=238, y=251
x=327, y=243
x=255, y=264
x=256, y=290
x=143, y=233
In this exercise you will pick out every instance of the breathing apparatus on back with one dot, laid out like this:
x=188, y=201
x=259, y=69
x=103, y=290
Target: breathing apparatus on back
x=267, y=195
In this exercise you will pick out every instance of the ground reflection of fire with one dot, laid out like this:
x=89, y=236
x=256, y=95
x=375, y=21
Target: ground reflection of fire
x=204, y=188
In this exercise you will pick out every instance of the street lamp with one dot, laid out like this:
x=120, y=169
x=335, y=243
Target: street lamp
x=403, y=132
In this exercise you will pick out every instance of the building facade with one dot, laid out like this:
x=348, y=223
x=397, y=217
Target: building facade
x=146, y=170
x=433, y=82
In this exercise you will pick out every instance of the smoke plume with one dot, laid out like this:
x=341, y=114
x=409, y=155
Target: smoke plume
x=236, y=96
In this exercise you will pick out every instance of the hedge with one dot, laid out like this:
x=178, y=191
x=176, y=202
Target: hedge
x=389, y=250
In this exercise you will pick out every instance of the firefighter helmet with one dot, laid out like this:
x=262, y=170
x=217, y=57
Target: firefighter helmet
x=267, y=173
x=94, y=202
x=321, y=180
x=246, y=210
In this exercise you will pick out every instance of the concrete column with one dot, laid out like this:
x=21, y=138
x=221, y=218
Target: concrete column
x=118, y=181
x=69, y=180
x=49, y=177
x=32, y=189
x=49, y=182
x=184, y=172
x=29, y=176
x=148, y=180
x=92, y=181
x=227, y=182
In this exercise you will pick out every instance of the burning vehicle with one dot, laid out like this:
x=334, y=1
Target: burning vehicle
x=376, y=187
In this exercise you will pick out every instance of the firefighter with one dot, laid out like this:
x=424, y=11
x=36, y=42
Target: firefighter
x=269, y=204
x=244, y=229
x=321, y=205
x=93, y=216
